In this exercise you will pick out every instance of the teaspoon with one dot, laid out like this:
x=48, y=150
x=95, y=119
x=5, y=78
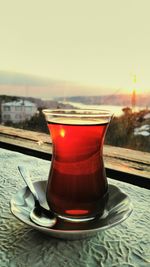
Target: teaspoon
x=38, y=214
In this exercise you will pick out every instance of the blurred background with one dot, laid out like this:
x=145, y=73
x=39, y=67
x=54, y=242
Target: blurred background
x=89, y=53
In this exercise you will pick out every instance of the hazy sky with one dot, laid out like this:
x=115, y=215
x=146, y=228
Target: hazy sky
x=93, y=42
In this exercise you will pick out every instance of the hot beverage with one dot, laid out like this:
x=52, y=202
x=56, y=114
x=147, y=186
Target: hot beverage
x=77, y=184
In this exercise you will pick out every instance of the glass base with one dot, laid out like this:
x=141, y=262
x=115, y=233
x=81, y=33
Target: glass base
x=78, y=219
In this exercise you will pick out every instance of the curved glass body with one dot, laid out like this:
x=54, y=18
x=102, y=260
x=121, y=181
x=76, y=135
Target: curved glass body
x=77, y=183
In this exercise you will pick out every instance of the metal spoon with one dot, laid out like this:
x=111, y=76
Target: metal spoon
x=38, y=214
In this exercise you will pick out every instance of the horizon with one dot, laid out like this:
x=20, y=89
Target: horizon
x=26, y=85
x=45, y=93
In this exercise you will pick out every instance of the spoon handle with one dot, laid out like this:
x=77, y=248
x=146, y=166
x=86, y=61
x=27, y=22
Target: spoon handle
x=26, y=176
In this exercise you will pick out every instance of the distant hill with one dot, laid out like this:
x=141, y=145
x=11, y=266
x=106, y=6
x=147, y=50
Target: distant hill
x=13, y=83
x=116, y=99
x=19, y=84
x=24, y=85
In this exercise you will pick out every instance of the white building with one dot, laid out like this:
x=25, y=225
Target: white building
x=17, y=111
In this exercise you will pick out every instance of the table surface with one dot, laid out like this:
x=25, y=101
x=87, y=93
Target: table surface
x=125, y=245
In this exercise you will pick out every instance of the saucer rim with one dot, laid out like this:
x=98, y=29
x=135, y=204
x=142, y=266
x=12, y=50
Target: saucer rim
x=74, y=231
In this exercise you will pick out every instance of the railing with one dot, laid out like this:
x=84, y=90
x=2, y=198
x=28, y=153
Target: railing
x=121, y=164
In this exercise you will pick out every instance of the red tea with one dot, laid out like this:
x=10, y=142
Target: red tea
x=77, y=182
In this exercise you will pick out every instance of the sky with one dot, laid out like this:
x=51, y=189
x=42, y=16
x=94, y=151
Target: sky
x=90, y=42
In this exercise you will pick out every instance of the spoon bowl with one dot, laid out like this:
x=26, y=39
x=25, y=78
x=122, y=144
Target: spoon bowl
x=38, y=214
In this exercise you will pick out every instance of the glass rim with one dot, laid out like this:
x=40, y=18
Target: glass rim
x=78, y=113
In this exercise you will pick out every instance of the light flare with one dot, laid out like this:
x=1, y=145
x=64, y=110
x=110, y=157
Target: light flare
x=62, y=133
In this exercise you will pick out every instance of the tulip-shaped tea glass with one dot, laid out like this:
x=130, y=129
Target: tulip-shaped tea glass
x=77, y=186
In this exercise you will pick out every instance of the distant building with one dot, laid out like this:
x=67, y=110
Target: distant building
x=17, y=111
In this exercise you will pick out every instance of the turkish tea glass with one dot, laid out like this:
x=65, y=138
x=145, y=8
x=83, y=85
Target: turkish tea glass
x=77, y=186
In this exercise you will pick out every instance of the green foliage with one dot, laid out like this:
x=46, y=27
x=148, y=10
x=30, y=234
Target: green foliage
x=36, y=123
x=121, y=131
x=6, y=98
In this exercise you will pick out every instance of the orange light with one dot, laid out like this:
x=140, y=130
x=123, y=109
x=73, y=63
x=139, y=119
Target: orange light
x=62, y=133
x=76, y=212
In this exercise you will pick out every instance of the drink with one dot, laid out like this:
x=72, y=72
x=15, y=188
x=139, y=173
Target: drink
x=77, y=184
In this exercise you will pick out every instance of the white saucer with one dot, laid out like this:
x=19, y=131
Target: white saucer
x=117, y=209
